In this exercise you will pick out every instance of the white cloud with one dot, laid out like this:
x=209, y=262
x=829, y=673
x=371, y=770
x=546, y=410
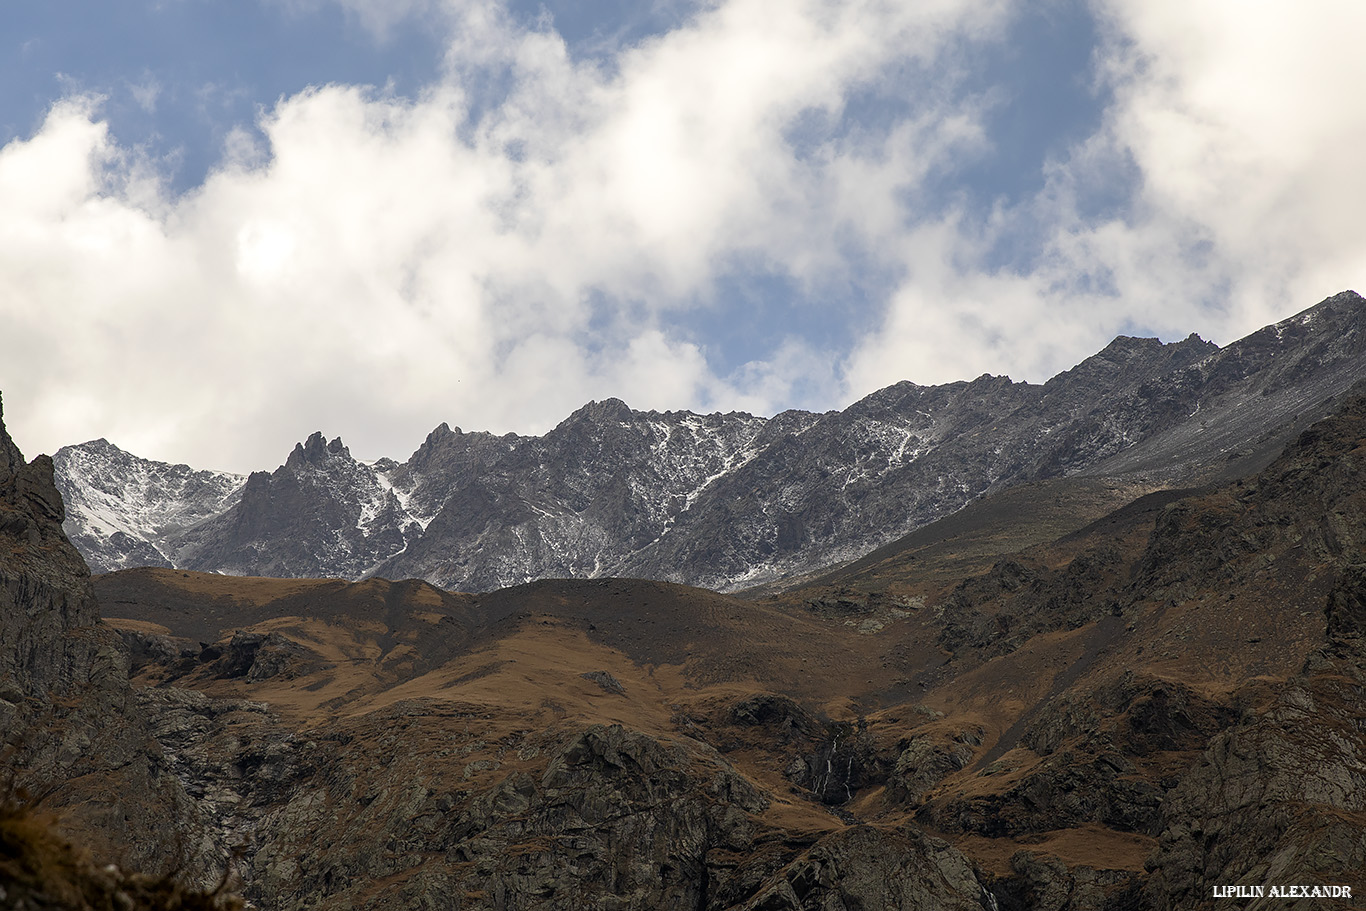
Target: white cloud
x=519, y=238
x=1230, y=153
x=380, y=264
x=1244, y=120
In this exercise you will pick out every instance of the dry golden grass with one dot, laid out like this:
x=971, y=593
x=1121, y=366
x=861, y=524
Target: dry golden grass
x=1090, y=845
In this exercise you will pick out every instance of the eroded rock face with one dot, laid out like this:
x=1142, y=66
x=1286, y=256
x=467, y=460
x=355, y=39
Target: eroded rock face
x=927, y=759
x=596, y=818
x=1275, y=801
x=607, y=819
x=1089, y=783
x=49, y=645
x=71, y=729
x=1047, y=884
x=1141, y=714
x=865, y=867
x=46, y=605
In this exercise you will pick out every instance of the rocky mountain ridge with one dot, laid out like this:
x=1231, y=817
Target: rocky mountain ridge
x=724, y=501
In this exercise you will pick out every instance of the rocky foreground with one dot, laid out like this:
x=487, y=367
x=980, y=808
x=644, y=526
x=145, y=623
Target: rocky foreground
x=1130, y=711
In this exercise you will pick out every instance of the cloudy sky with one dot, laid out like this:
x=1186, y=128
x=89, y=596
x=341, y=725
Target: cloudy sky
x=227, y=223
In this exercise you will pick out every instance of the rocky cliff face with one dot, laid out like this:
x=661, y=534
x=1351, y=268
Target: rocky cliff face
x=72, y=734
x=46, y=604
x=1281, y=796
x=725, y=501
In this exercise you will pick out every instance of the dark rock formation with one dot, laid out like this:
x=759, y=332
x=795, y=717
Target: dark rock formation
x=1046, y=884
x=864, y=867
x=925, y=760
x=1279, y=800
x=72, y=735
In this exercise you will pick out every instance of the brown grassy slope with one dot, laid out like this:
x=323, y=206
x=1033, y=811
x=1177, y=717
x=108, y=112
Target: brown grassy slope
x=354, y=639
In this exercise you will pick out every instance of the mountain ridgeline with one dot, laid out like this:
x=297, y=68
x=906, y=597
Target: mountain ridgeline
x=725, y=501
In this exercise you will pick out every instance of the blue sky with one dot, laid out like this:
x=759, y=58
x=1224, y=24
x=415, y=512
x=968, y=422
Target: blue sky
x=226, y=224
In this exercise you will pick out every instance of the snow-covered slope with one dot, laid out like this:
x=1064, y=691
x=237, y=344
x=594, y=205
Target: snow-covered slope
x=122, y=510
x=722, y=500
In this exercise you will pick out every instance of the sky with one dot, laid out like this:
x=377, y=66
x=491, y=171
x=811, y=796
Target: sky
x=225, y=224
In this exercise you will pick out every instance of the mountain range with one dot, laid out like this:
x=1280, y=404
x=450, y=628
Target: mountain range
x=1131, y=681
x=725, y=501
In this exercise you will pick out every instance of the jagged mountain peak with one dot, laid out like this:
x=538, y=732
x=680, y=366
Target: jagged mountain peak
x=316, y=450
x=1192, y=348
x=606, y=411
x=440, y=436
x=11, y=459
x=1348, y=296
x=444, y=435
x=1124, y=348
x=896, y=396
x=101, y=445
x=1126, y=343
x=1128, y=357
x=1339, y=311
